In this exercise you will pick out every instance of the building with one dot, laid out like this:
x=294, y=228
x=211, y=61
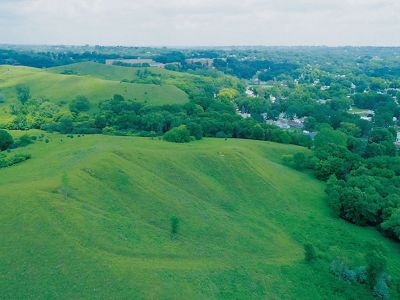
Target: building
x=285, y=123
x=250, y=93
x=244, y=115
x=365, y=114
x=207, y=62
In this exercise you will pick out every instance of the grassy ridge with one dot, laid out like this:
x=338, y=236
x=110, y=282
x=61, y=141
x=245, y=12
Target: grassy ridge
x=183, y=80
x=89, y=217
x=111, y=72
x=58, y=87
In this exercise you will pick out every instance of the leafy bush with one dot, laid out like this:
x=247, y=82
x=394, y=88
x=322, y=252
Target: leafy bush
x=381, y=289
x=178, y=135
x=174, y=226
x=341, y=270
x=10, y=161
x=23, y=141
x=79, y=104
x=6, y=140
x=309, y=253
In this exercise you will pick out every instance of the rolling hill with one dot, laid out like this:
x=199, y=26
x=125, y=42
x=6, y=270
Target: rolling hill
x=64, y=88
x=183, y=80
x=96, y=223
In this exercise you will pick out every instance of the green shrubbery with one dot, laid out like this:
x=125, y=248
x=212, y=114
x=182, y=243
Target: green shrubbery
x=6, y=140
x=374, y=274
x=8, y=161
x=178, y=135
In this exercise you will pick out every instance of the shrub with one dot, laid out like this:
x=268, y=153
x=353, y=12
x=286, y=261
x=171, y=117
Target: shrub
x=23, y=93
x=309, y=253
x=10, y=161
x=79, y=104
x=376, y=265
x=6, y=140
x=381, y=288
x=178, y=135
x=174, y=226
x=23, y=141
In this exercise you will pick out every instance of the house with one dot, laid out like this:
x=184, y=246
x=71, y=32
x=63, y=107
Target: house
x=323, y=101
x=244, y=115
x=250, y=93
x=285, y=123
x=207, y=62
x=365, y=114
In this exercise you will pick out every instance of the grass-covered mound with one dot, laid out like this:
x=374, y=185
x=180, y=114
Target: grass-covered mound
x=64, y=88
x=130, y=218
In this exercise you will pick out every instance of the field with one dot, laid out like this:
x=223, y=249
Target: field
x=89, y=217
x=64, y=88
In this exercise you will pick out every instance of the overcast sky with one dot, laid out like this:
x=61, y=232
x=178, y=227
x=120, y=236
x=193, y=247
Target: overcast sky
x=201, y=22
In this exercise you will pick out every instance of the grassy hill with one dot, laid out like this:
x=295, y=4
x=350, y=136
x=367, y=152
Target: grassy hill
x=183, y=80
x=112, y=72
x=96, y=223
x=59, y=87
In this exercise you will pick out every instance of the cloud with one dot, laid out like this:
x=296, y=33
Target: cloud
x=200, y=22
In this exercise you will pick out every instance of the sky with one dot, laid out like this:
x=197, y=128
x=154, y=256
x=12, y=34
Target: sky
x=201, y=22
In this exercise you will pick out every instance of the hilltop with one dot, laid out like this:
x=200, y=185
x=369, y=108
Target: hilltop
x=89, y=217
x=64, y=88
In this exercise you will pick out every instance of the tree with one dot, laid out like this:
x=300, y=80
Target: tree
x=174, y=226
x=65, y=125
x=178, y=135
x=309, y=253
x=257, y=132
x=6, y=140
x=392, y=225
x=79, y=104
x=228, y=94
x=329, y=136
x=23, y=93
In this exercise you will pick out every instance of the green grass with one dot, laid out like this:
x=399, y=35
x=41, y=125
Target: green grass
x=64, y=88
x=183, y=80
x=111, y=72
x=89, y=218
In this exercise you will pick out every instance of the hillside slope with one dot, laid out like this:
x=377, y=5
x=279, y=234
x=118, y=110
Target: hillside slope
x=183, y=80
x=59, y=87
x=89, y=217
x=112, y=72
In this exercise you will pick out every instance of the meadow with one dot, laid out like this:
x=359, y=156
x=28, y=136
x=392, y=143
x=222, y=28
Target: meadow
x=90, y=217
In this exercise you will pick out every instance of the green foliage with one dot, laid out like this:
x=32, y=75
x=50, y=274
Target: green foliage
x=344, y=272
x=23, y=93
x=178, y=135
x=309, y=253
x=392, y=224
x=23, y=141
x=376, y=265
x=8, y=161
x=330, y=137
x=175, y=224
x=257, y=132
x=6, y=140
x=79, y=104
